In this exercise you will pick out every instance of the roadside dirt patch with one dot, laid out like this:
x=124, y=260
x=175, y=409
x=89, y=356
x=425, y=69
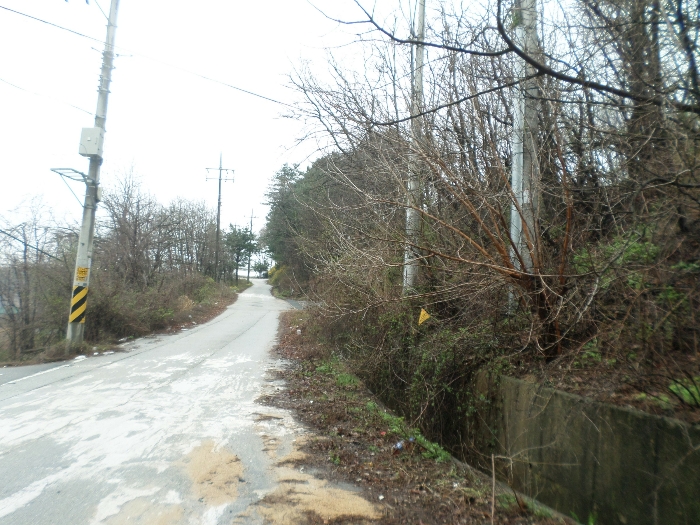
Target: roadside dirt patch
x=215, y=473
x=300, y=496
x=143, y=511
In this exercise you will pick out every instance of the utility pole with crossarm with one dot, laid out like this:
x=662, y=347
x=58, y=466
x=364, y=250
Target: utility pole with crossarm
x=218, y=214
x=91, y=142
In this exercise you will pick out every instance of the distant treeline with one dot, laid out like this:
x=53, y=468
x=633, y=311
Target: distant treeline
x=150, y=262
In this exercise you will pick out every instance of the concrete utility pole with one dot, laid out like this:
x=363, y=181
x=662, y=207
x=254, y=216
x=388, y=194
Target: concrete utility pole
x=525, y=176
x=91, y=142
x=413, y=199
x=218, y=215
x=251, y=231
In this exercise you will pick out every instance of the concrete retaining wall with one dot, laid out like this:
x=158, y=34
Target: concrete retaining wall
x=588, y=458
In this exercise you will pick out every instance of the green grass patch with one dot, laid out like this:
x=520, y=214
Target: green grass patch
x=397, y=426
x=346, y=380
x=688, y=390
x=662, y=400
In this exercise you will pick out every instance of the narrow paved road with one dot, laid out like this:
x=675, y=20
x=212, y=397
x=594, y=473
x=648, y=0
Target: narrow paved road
x=167, y=432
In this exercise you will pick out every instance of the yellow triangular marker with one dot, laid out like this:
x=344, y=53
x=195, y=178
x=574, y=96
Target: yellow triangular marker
x=423, y=317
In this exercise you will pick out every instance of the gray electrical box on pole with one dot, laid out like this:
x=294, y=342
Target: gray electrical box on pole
x=91, y=141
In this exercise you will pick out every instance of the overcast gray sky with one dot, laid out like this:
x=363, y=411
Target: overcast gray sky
x=167, y=123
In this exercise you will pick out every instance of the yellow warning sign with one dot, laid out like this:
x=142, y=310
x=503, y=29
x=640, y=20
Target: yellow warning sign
x=81, y=273
x=423, y=317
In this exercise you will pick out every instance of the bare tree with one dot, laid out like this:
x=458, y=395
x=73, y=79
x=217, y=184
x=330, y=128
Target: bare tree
x=618, y=179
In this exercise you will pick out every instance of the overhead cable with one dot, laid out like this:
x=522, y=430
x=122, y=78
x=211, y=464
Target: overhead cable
x=43, y=95
x=29, y=245
x=50, y=23
x=246, y=91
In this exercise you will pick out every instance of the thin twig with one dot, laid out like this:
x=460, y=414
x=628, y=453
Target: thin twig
x=493, y=487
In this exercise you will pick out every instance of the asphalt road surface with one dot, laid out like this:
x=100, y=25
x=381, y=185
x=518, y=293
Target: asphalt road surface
x=166, y=432
x=12, y=373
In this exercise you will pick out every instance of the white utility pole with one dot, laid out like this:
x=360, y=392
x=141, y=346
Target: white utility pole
x=524, y=175
x=250, y=256
x=91, y=142
x=413, y=198
x=218, y=215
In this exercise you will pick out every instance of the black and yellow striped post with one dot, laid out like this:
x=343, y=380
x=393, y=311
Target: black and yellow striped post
x=78, y=304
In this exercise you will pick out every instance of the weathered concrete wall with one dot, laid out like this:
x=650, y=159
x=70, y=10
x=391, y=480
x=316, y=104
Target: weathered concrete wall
x=589, y=458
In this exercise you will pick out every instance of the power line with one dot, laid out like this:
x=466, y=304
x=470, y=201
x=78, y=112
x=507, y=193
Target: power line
x=47, y=96
x=50, y=23
x=29, y=245
x=217, y=81
x=100, y=8
x=242, y=90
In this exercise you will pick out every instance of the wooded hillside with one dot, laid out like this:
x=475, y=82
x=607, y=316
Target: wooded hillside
x=599, y=296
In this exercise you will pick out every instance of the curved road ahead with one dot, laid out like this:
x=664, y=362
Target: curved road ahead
x=167, y=432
